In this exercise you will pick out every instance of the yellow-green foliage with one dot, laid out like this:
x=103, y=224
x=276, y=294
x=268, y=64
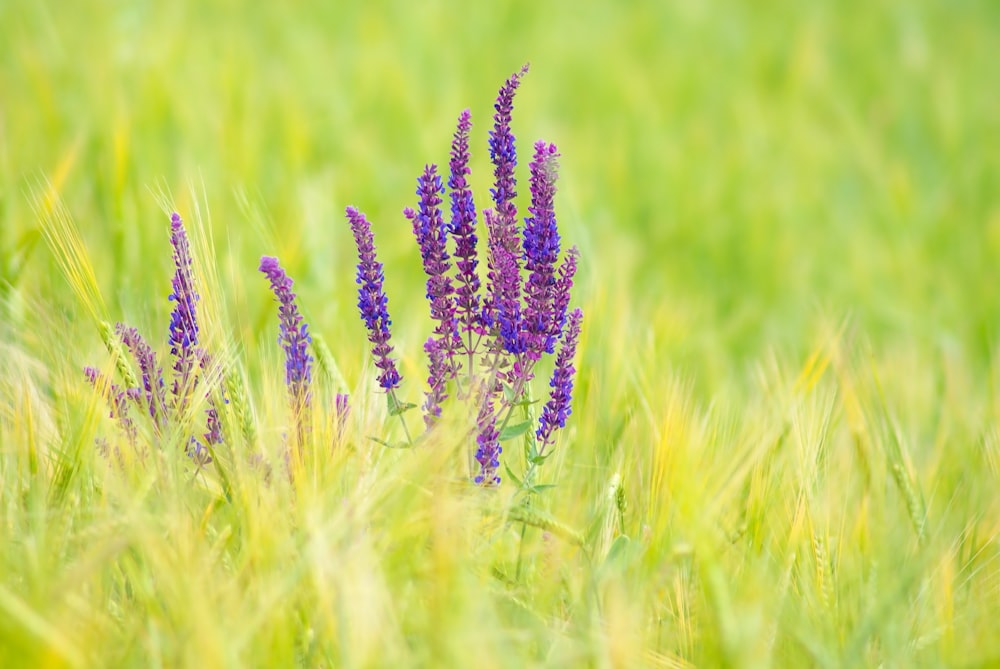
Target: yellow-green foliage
x=784, y=450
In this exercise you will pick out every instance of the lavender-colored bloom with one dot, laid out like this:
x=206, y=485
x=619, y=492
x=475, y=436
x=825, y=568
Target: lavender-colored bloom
x=488, y=441
x=564, y=284
x=541, y=250
x=503, y=152
x=293, y=335
x=558, y=407
x=463, y=230
x=183, y=321
x=152, y=375
x=439, y=369
x=198, y=452
x=502, y=310
x=502, y=223
x=117, y=398
x=431, y=233
x=372, y=301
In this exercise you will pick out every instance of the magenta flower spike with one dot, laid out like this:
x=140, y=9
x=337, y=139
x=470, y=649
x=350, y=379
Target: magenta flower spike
x=463, y=231
x=183, y=321
x=372, y=301
x=541, y=251
x=293, y=336
x=558, y=408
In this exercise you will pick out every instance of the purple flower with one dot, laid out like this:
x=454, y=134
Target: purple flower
x=488, y=442
x=564, y=284
x=292, y=335
x=183, y=322
x=439, y=370
x=558, y=407
x=463, y=230
x=152, y=375
x=503, y=153
x=503, y=278
x=117, y=398
x=431, y=233
x=372, y=301
x=502, y=310
x=541, y=250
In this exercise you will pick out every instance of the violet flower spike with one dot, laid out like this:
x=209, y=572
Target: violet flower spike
x=502, y=310
x=503, y=152
x=438, y=371
x=488, y=442
x=564, y=284
x=559, y=406
x=372, y=301
x=431, y=233
x=503, y=226
x=292, y=335
x=117, y=399
x=152, y=375
x=183, y=321
x=541, y=251
x=463, y=230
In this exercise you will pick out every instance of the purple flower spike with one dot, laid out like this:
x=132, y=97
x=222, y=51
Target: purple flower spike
x=558, y=407
x=117, y=399
x=183, y=321
x=431, y=233
x=372, y=301
x=292, y=335
x=152, y=375
x=503, y=152
x=564, y=284
x=502, y=308
x=541, y=250
x=488, y=441
x=439, y=369
x=463, y=229
x=503, y=278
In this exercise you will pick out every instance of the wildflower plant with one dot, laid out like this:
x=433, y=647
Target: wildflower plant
x=488, y=337
x=188, y=361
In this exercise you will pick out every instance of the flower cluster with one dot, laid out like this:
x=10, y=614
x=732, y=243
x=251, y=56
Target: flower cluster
x=190, y=363
x=485, y=344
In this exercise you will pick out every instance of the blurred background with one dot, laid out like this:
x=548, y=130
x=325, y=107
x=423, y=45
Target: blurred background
x=736, y=175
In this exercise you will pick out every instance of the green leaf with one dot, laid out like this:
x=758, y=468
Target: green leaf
x=388, y=444
x=511, y=475
x=396, y=407
x=516, y=430
x=536, y=459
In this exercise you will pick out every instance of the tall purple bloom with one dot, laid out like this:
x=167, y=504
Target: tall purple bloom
x=152, y=374
x=541, y=251
x=503, y=222
x=372, y=301
x=292, y=335
x=183, y=322
x=558, y=408
x=502, y=310
x=488, y=443
x=503, y=152
x=564, y=284
x=117, y=399
x=431, y=233
x=463, y=230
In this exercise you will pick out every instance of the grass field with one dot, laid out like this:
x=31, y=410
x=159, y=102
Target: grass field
x=785, y=442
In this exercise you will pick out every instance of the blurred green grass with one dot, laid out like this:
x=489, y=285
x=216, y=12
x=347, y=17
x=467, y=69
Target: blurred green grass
x=742, y=179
